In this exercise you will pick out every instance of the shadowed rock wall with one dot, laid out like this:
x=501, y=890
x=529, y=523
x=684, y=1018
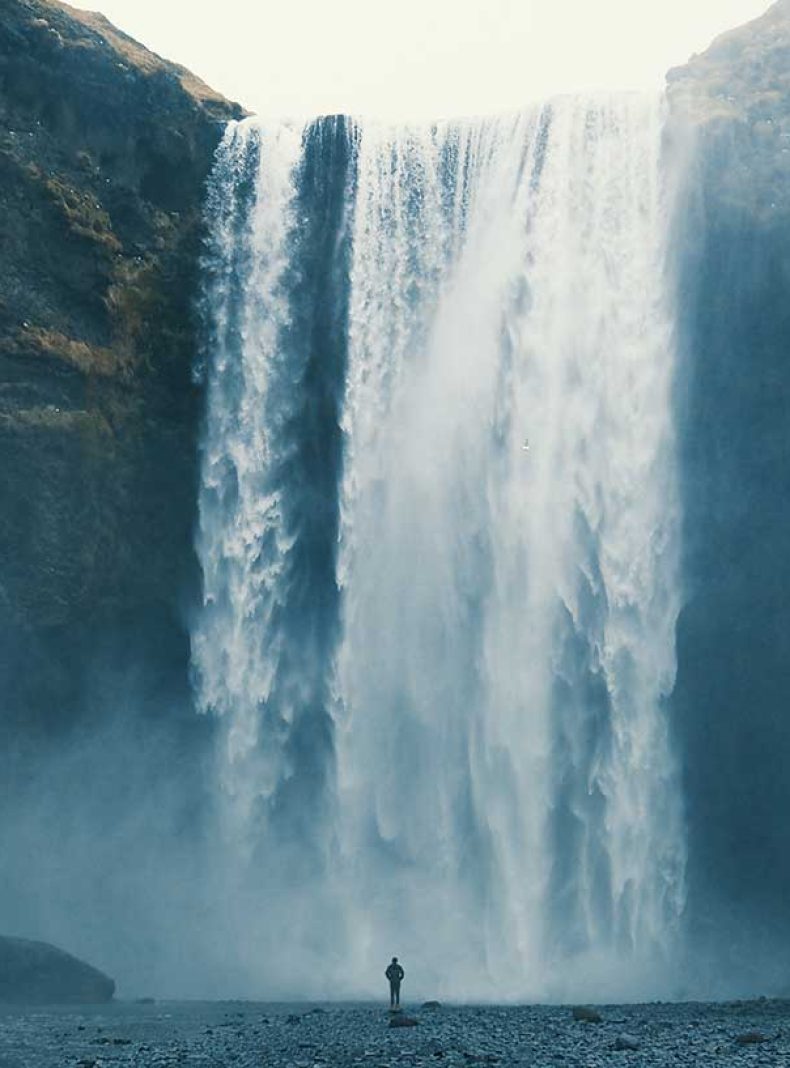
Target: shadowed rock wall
x=733, y=692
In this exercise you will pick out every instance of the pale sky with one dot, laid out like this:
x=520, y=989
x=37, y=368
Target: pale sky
x=422, y=58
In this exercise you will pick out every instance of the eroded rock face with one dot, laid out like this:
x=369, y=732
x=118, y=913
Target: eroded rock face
x=104, y=152
x=35, y=973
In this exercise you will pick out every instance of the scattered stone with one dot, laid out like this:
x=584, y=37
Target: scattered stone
x=292, y=1018
x=353, y=1035
x=624, y=1041
x=431, y=1004
x=586, y=1014
x=751, y=1038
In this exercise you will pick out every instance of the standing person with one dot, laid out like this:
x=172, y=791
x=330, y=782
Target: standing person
x=395, y=975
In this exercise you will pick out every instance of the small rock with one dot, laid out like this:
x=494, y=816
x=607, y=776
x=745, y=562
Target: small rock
x=403, y=1021
x=292, y=1018
x=431, y=1004
x=586, y=1014
x=751, y=1038
x=626, y=1041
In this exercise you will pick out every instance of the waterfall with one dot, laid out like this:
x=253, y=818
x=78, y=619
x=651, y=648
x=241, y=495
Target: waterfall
x=244, y=541
x=439, y=533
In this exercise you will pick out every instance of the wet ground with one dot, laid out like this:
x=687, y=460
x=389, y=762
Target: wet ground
x=246, y=1034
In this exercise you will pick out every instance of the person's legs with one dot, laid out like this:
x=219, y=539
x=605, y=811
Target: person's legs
x=393, y=993
x=397, y=995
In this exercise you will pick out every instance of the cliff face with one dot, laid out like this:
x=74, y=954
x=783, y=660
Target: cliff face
x=733, y=684
x=104, y=151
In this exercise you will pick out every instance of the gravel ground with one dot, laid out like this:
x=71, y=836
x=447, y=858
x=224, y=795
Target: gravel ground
x=243, y=1034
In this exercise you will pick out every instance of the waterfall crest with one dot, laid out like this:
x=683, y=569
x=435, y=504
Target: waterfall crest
x=439, y=533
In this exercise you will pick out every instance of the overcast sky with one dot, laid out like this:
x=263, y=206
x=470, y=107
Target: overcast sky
x=422, y=58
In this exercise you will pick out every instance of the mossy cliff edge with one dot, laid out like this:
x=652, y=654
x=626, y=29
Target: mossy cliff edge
x=104, y=153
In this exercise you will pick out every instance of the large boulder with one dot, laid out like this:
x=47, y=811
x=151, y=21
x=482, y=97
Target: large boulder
x=37, y=973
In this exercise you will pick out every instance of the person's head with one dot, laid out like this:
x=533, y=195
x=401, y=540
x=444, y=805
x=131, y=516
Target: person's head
x=394, y=960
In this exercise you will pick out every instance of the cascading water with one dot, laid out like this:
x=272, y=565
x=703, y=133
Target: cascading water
x=243, y=538
x=440, y=645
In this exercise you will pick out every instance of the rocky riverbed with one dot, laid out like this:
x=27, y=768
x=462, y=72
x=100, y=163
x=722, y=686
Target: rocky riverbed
x=247, y=1034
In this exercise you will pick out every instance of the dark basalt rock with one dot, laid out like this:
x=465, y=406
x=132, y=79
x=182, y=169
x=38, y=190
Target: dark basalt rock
x=36, y=973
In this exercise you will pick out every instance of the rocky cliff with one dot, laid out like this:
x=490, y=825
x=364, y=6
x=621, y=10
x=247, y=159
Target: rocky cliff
x=104, y=151
x=733, y=401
